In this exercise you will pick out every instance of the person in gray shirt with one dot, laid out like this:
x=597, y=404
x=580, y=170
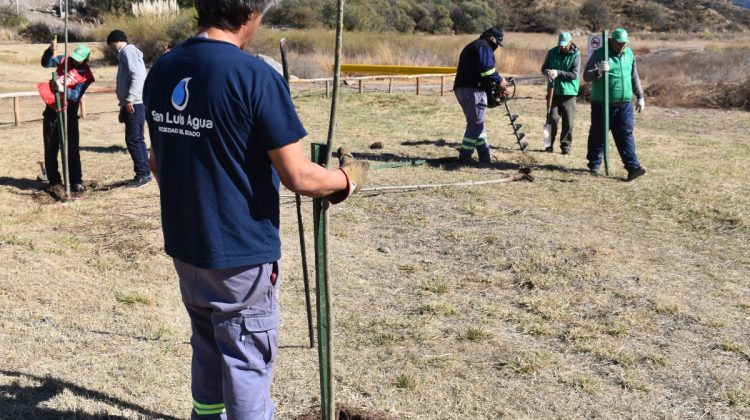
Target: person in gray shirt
x=131, y=73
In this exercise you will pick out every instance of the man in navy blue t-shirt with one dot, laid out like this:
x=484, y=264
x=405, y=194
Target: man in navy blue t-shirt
x=476, y=76
x=224, y=133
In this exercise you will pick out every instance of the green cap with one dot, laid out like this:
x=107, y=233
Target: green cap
x=620, y=35
x=564, y=39
x=80, y=54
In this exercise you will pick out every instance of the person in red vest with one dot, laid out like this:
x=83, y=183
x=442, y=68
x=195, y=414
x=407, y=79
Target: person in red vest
x=78, y=79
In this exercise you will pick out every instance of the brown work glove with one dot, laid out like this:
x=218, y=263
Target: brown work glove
x=355, y=172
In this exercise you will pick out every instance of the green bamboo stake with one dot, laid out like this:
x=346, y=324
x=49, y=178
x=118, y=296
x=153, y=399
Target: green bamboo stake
x=322, y=154
x=322, y=296
x=606, y=105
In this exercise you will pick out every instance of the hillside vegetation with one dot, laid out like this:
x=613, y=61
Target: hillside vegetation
x=446, y=16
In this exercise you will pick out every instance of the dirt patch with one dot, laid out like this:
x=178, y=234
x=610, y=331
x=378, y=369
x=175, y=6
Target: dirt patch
x=344, y=412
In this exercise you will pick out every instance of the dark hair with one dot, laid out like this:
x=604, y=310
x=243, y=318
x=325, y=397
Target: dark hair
x=116, y=36
x=229, y=14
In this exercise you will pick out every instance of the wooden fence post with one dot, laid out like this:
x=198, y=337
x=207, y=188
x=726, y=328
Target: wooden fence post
x=361, y=88
x=417, y=85
x=326, y=88
x=390, y=85
x=17, y=110
x=82, y=107
x=442, y=85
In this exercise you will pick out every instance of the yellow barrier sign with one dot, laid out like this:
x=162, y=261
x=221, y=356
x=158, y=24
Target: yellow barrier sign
x=386, y=69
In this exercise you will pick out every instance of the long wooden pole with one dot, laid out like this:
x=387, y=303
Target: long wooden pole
x=300, y=225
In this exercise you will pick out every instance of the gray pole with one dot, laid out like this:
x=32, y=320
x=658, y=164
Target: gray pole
x=606, y=106
x=66, y=170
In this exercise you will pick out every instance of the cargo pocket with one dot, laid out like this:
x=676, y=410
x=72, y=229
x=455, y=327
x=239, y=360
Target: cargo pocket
x=260, y=344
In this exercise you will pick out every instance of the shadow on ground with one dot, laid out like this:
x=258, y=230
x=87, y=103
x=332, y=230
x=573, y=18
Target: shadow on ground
x=451, y=163
x=25, y=402
x=23, y=184
x=115, y=148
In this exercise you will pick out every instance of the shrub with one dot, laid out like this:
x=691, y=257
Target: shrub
x=563, y=16
x=41, y=32
x=11, y=19
x=596, y=14
x=151, y=34
x=158, y=8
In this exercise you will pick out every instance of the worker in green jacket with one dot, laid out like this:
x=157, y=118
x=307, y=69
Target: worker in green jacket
x=562, y=67
x=623, y=84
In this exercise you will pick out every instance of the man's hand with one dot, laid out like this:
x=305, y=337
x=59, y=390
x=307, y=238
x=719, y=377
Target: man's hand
x=640, y=105
x=130, y=108
x=59, y=86
x=355, y=170
x=604, y=66
x=552, y=74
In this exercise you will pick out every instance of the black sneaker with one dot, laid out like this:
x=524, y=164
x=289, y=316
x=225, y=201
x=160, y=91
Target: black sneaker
x=595, y=171
x=77, y=188
x=140, y=180
x=565, y=151
x=548, y=149
x=635, y=173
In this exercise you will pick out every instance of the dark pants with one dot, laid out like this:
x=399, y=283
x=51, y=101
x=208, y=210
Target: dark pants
x=134, y=139
x=621, y=126
x=563, y=107
x=51, y=135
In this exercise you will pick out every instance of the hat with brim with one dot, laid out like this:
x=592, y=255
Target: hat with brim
x=620, y=35
x=564, y=39
x=81, y=53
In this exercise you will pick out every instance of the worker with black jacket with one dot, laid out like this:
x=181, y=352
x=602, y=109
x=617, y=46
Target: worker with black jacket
x=476, y=76
x=562, y=67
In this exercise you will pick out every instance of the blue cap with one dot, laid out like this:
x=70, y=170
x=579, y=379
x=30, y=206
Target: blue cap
x=496, y=33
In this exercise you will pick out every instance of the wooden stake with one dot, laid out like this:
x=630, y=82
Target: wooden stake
x=17, y=110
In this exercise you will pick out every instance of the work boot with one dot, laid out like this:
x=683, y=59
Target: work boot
x=595, y=171
x=465, y=159
x=635, y=173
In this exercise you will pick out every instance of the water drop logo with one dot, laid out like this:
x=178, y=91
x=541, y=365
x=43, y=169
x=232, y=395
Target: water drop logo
x=181, y=94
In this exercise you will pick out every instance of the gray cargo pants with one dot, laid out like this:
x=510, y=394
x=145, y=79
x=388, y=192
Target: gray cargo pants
x=563, y=108
x=234, y=314
x=474, y=105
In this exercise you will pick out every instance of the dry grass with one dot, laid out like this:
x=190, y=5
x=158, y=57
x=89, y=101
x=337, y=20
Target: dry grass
x=569, y=297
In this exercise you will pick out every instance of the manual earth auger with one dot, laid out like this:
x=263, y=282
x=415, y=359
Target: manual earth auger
x=499, y=96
